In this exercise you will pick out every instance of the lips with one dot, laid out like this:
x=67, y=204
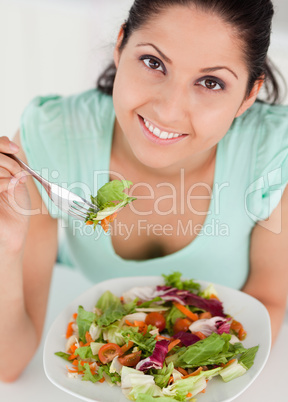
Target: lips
x=158, y=136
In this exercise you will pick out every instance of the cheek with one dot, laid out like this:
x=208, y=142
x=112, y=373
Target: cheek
x=129, y=91
x=211, y=120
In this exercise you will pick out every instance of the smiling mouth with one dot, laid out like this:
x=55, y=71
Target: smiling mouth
x=164, y=135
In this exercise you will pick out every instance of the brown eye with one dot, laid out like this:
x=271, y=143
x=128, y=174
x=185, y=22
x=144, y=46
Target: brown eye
x=210, y=84
x=153, y=64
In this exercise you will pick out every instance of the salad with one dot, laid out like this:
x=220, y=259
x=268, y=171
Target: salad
x=109, y=199
x=162, y=343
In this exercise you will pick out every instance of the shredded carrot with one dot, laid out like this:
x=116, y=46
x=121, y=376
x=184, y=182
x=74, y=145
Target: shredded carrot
x=203, y=391
x=228, y=363
x=173, y=344
x=189, y=395
x=105, y=222
x=81, y=343
x=186, y=311
x=171, y=380
x=200, y=334
x=72, y=357
x=142, y=327
x=126, y=347
x=140, y=324
x=214, y=297
x=122, y=299
x=73, y=347
x=69, y=331
x=238, y=328
x=75, y=315
x=75, y=362
x=89, y=222
x=102, y=379
x=242, y=334
x=72, y=371
x=161, y=338
x=196, y=372
x=207, y=314
x=88, y=338
x=182, y=371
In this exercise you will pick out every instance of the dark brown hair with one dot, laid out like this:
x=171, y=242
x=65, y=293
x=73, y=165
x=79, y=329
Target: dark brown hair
x=251, y=18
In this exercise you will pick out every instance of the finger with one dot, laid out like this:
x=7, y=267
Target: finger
x=4, y=173
x=9, y=164
x=20, y=177
x=8, y=146
x=4, y=184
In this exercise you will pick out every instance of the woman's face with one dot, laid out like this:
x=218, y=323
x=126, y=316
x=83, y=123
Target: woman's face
x=182, y=75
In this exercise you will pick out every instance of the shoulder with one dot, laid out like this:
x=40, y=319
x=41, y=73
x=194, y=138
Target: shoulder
x=74, y=116
x=261, y=132
x=263, y=120
x=267, y=141
x=52, y=106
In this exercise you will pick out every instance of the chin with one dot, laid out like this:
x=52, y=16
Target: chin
x=155, y=162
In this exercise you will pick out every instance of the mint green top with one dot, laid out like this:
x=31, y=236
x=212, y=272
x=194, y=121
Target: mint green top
x=68, y=141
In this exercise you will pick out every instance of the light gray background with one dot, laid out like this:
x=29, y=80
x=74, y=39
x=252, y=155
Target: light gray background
x=60, y=46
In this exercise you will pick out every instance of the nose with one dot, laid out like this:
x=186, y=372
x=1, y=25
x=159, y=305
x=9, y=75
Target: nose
x=171, y=104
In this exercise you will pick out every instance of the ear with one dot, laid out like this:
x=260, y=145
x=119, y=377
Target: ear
x=251, y=98
x=117, y=52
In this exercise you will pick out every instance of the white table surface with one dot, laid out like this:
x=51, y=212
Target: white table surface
x=33, y=386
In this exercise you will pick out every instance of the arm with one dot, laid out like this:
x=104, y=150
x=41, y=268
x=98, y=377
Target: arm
x=25, y=275
x=268, y=280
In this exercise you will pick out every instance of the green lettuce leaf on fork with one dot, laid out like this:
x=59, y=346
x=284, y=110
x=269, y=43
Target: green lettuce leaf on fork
x=109, y=199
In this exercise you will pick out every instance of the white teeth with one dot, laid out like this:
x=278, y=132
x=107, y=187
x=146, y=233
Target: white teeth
x=164, y=135
x=158, y=133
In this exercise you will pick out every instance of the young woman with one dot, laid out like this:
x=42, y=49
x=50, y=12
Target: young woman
x=208, y=163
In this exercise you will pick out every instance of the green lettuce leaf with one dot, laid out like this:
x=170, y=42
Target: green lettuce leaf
x=174, y=280
x=84, y=352
x=149, y=389
x=173, y=314
x=112, y=191
x=84, y=321
x=109, y=199
x=180, y=388
x=145, y=343
x=150, y=302
x=112, y=308
x=107, y=299
x=113, y=333
x=247, y=358
x=232, y=371
x=114, y=377
x=161, y=377
x=148, y=398
x=63, y=355
x=211, y=350
x=88, y=376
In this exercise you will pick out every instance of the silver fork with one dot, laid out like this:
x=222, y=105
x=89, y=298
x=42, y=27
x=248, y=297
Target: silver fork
x=70, y=203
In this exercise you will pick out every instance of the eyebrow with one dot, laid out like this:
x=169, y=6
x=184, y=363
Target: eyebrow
x=157, y=50
x=203, y=70
x=211, y=69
